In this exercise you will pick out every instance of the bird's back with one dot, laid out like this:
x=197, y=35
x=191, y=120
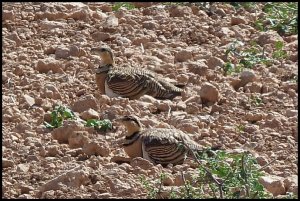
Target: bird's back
x=134, y=82
x=164, y=146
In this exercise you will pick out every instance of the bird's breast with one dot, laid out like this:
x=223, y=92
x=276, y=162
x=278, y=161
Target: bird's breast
x=110, y=92
x=135, y=149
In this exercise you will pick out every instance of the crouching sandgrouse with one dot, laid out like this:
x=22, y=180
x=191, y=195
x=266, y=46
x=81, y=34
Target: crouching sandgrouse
x=130, y=82
x=158, y=145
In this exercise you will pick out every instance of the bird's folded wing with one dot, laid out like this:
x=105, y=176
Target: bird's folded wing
x=164, y=149
x=128, y=82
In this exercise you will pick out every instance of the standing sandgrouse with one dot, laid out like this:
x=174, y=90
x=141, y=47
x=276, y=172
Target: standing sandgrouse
x=130, y=82
x=158, y=145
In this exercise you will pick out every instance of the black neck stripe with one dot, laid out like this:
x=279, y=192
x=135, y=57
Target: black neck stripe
x=132, y=136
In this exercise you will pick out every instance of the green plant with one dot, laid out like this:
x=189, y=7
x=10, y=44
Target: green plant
x=280, y=16
x=152, y=192
x=58, y=115
x=244, y=57
x=255, y=100
x=226, y=175
x=102, y=125
x=279, y=52
x=119, y=5
x=240, y=128
x=61, y=113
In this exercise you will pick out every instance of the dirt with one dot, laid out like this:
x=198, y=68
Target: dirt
x=46, y=61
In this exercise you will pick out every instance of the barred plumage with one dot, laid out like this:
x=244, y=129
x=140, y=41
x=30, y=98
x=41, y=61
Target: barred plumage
x=158, y=145
x=131, y=82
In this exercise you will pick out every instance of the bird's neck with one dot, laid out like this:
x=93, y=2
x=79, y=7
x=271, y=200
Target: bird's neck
x=131, y=130
x=108, y=60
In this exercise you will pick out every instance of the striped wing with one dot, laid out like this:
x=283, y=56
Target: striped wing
x=164, y=146
x=129, y=82
x=135, y=82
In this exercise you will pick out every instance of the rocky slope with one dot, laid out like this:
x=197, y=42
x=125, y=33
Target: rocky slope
x=46, y=61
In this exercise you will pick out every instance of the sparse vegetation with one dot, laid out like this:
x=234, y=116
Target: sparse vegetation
x=237, y=172
x=279, y=52
x=119, y=5
x=255, y=100
x=58, y=115
x=61, y=113
x=99, y=125
x=244, y=58
x=279, y=16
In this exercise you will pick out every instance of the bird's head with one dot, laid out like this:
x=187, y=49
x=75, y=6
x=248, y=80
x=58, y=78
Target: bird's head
x=105, y=53
x=131, y=123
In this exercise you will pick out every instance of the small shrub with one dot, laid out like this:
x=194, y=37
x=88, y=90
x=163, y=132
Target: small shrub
x=117, y=6
x=61, y=113
x=236, y=173
x=99, y=125
x=58, y=115
x=280, y=16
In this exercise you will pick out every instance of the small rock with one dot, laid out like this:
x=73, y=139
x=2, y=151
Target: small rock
x=150, y=25
x=96, y=148
x=225, y=32
x=183, y=55
x=77, y=139
x=100, y=36
x=142, y=4
x=106, y=8
x=22, y=127
x=85, y=103
x=180, y=11
x=49, y=25
x=73, y=178
x=269, y=37
x=15, y=37
x=25, y=196
x=253, y=87
x=63, y=133
x=291, y=184
x=111, y=21
x=213, y=62
x=8, y=15
x=25, y=189
x=104, y=195
x=89, y=114
x=45, y=65
x=168, y=180
x=221, y=12
x=261, y=160
x=62, y=53
x=7, y=163
x=291, y=113
x=247, y=76
x=253, y=117
x=209, y=93
x=237, y=20
x=274, y=184
x=28, y=100
x=80, y=14
x=18, y=71
x=23, y=168
x=52, y=151
x=74, y=5
x=141, y=162
x=74, y=51
x=164, y=105
x=199, y=68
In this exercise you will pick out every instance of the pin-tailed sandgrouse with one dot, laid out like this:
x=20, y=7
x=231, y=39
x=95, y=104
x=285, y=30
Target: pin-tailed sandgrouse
x=158, y=145
x=130, y=82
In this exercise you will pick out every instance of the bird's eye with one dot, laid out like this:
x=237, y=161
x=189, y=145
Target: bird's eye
x=102, y=50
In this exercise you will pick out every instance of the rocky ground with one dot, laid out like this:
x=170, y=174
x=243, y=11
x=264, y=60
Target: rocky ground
x=46, y=61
